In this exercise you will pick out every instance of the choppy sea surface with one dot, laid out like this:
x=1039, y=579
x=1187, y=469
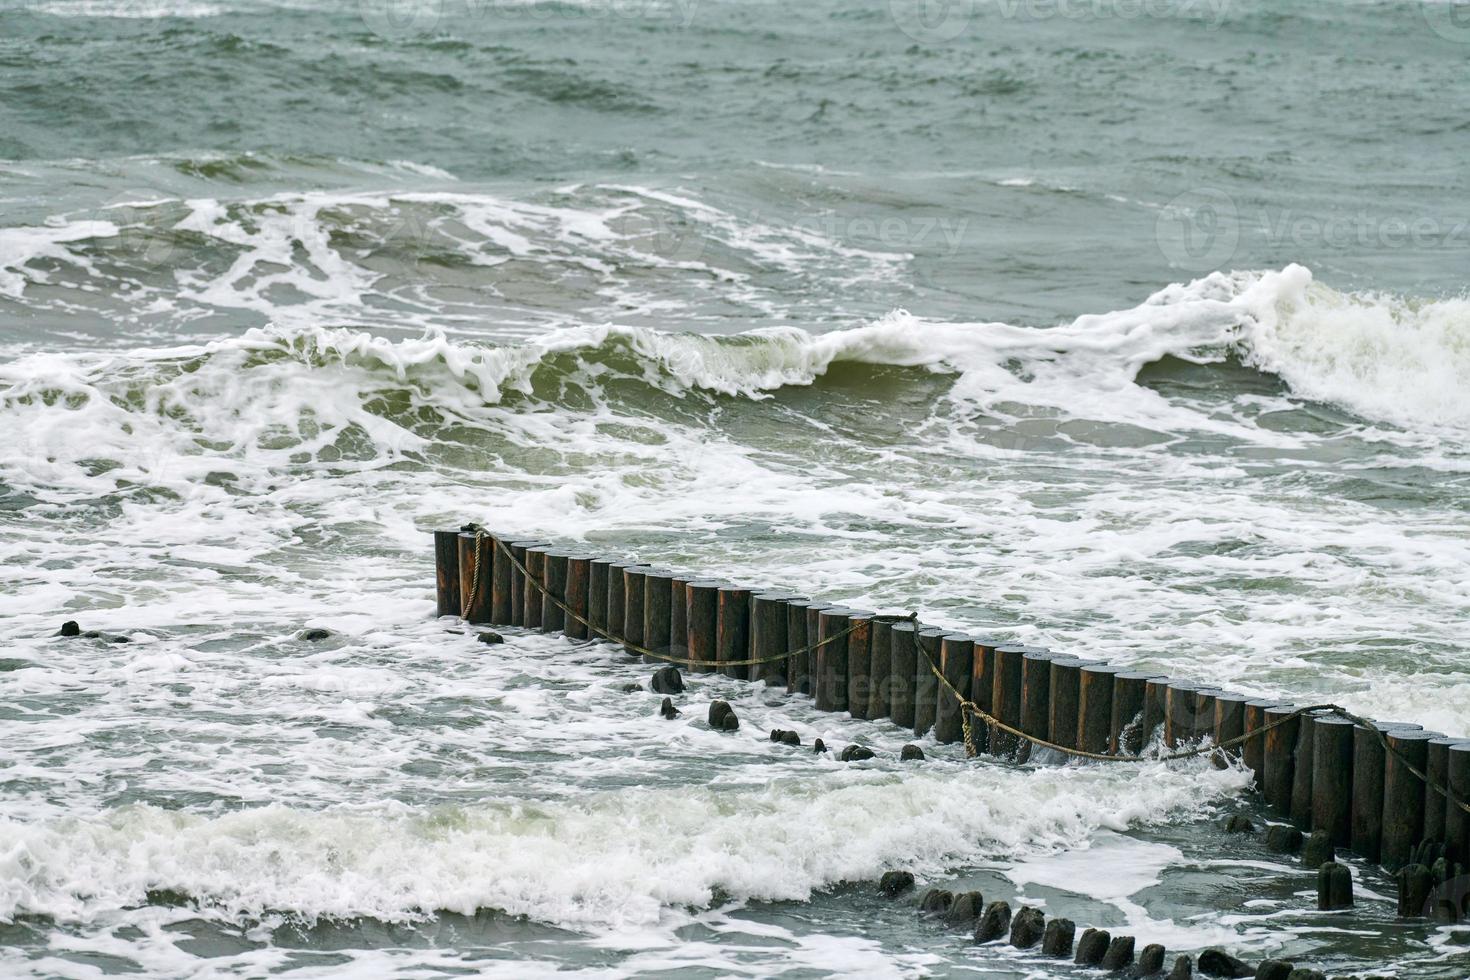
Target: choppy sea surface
x=1138, y=330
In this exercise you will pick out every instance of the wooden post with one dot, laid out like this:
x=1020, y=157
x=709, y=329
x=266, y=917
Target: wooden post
x=1064, y=702
x=1155, y=706
x=1255, y=748
x=813, y=635
x=732, y=629
x=579, y=580
x=1456, y=820
x=926, y=685
x=880, y=670
x=634, y=578
x=499, y=580
x=1126, y=728
x=519, y=551
x=597, y=573
x=982, y=689
x=1332, y=777
x=1280, y=753
x=1036, y=692
x=1095, y=706
x=831, y=660
x=801, y=615
x=474, y=594
x=1005, y=697
x=1230, y=721
x=1204, y=712
x=553, y=620
x=658, y=616
x=956, y=661
x=1437, y=768
x=1368, y=768
x=703, y=605
x=1302, y=773
x=535, y=585
x=768, y=634
x=1179, y=712
x=859, y=656
x=905, y=667
x=446, y=573
x=679, y=614
x=1403, y=795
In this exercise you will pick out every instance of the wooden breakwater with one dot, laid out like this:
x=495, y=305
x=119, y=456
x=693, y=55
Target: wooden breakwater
x=1392, y=793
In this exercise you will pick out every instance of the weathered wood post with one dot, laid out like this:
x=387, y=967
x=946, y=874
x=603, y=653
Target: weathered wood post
x=446, y=573
x=1437, y=768
x=703, y=605
x=1332, y=777
x=1302, y=772
x=1456, y=820
x=578, y=596
x=1064, y=702
x=474, y=593
x=1179, y=716
x=831, y=659
x=617, y=598
x=679, y=614
x=905, y=673
x=535, y=585
x=1280, y=753
x=859, y=655
x=880, y=670
x=634, y=580
x=982, y=689
x=499, y=580
x=519, y=551
x=1095, y=706
x=1255, y=747
x=553, y=620
x=956, y=661
x=926, y=685
x=1368, y=769
x=597, y=573
x=1155, y=706
x=768, y=613
x=1035, y=692
x=1230, y=721
x=1127, y=729
x=1005, y=697
x=1204, y=712
x=801, y=616
x=658, y=616
x=1403, y=795
x=732, y=628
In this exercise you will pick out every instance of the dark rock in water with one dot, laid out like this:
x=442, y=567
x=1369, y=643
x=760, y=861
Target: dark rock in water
x=895, y=883
x=720, y=714
x=1092, y=947
x=965, y=911
x=994, y=923
x=777, y=734
x=1058, y=938
x=631, y=688
x=1119, y=954
x=936, y=901
x=167, y=898
x=1218, y=963
x=667, y=680
x=668, y=710
x=92, y=635
x=1318, y=849
x=1334, y=887
x=1027, y=927
x=1302, y=973
x=910, y=753
x=819, y=746
x=1183, y=969
x=1239, y=823
x=314, y=633
x=856, y=753
x=119, y=639
x=70, y=628
x=1151, y=960
x=1281, y=839
x=490, y=637
x=730, y=724
x=1273, y=970
x=790, y=738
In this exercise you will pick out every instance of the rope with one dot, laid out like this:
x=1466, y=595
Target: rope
x=968, y=707
x=656, y=654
